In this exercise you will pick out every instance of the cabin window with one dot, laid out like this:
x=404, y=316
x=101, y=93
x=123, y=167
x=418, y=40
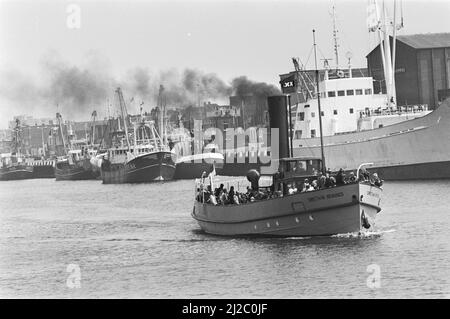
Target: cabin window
x=331, y=93
x=313, y=133
x=358, y=92
x=380, y=126
x=350, y=92
x=341, y=93
x=368, y=91
x=322, y=113
x=335, y=112
x=313, y=114
x=306, y=105
x=301, y=116
x=298, y=134
x=351, y=110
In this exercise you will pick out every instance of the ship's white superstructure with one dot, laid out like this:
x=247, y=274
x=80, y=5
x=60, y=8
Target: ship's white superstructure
x=349, y=105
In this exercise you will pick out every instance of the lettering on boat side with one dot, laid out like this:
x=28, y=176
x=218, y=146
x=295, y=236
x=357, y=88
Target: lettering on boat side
x=370, y=193
x=231, y=309
x=328, y=196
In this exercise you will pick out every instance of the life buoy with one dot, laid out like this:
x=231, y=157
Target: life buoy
x=340, y=73
x=365, y=221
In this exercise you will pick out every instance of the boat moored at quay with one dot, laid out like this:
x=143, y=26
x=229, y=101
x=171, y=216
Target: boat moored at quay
x=140, y=155
x=140, y=164
x=404, y=141
x=75, y=164
x=413, y=149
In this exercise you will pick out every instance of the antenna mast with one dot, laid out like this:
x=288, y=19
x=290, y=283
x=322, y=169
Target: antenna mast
x=318, y=104
x=335, y=39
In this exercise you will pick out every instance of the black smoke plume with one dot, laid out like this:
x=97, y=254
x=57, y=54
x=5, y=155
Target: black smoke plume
x=75, y=91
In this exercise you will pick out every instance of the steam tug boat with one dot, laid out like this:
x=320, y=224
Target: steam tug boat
x=337, y=210
x=279, y=209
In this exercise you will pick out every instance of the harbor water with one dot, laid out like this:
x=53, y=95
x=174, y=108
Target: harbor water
x=139, y=241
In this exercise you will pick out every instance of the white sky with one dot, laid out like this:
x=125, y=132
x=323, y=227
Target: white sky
x=229, y=38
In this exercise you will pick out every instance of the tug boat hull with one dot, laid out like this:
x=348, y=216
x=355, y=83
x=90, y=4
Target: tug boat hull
x=337, y=210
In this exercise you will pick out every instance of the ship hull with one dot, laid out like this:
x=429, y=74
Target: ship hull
x=414, y=149
x=337, y=210
x=153, y=167
x=43, y=169
x=16, y=173
x=75, y=172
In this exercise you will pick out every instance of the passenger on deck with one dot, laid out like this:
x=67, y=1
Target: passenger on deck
x=231, y=194
x=224, y=197
x=305, y=186
x=376, y=180
x=199, y=196
x=292, y=189
x=340, y=177
x=351, y=178
x=364, y=175
x=321, y=181
x=218, y=190
x=330, y=181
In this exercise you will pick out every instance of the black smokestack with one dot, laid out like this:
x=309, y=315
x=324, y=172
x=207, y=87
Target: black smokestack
x=278, y=119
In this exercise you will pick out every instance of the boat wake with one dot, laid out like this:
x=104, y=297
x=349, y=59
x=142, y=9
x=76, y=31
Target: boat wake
x=364, y=234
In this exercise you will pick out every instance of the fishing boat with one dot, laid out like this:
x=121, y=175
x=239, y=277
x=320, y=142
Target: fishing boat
x=13, y=164
x=147, y=159
x=14, y=167
x=289, y=206
x=75, y=164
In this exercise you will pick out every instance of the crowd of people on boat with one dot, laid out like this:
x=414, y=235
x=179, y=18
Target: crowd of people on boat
x=224, y=196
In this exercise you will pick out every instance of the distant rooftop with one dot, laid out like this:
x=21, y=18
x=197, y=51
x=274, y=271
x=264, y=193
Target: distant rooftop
x=426, y=40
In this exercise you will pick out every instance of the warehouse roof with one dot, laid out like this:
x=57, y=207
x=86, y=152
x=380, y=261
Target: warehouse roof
x=423, y=41
x=426, y=41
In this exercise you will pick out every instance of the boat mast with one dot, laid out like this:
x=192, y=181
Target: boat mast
x=94, y=115
x=318, y=104
x=42, y=137
x=124, y=114
x=59, y=118
x=161, y=116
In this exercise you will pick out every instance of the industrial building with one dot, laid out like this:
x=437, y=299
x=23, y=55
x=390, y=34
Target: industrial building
x=422, y=68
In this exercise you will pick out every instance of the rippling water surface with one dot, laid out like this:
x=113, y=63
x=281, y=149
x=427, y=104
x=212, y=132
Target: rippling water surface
x=140, y=241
